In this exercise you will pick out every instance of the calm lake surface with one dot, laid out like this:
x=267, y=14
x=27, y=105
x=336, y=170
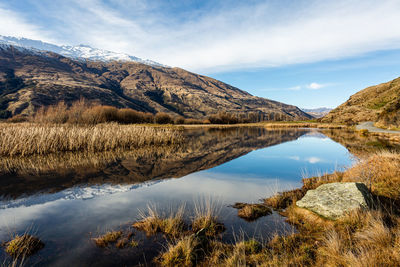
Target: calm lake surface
x=68, y=199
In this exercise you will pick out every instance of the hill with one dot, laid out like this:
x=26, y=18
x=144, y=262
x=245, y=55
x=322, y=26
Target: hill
x=379, y=103
x=31, y=78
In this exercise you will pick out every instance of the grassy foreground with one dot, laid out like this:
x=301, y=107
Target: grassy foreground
x=26, y=139
x=361, y=238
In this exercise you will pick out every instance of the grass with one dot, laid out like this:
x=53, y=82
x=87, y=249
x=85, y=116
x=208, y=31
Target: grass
x=27, y=139
x=181, y=253
x=360, y=238
x=206, y=218
x=121, y=239
x=107, y=238
x=251, y=212
x=152, y=222
x=23, y=245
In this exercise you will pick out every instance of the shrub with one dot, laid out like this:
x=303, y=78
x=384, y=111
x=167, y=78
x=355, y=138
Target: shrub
x=162, y=118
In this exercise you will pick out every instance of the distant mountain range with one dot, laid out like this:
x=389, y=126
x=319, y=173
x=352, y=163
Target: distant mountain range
x=35, y=74
x=317, y=112
x=379, y=103
x=78, y=52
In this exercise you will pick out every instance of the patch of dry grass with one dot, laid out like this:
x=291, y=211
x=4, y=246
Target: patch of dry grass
x=153, y=222
x=206, y=217
x=181, y=252
x=251, y=212
x=28, y=139
x=107, y=238
x=24, y=245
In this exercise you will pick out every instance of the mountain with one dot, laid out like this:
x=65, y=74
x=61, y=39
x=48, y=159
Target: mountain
x=32, y=78
x=379, y=103
x=317, y=112
x=79, y=52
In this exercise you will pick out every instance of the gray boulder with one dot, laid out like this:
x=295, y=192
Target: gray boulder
x=333, y=200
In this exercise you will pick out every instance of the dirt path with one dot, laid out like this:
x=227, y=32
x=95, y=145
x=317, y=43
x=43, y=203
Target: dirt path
x=369, y=125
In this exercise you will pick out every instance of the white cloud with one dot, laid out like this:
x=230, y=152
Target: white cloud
x=12, y=24
x=316, y=86
x=224, y=37
x=313, y=160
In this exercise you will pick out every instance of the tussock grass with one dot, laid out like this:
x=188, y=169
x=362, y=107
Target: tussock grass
x=23, y=245
x=206, y=217
x=153, y=222
x=107, y=238
x=251, y=212
x=28, y=139
x=181, y=253
x=121, y=239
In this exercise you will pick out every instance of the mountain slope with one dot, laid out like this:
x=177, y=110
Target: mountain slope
x=379, y=103
x=30, y=79
x=78, y=52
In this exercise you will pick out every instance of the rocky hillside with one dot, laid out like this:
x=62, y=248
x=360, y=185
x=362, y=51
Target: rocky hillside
x=30, y=79
x=379, y=103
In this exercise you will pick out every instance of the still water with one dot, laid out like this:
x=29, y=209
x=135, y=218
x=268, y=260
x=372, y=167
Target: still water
x=68, y=199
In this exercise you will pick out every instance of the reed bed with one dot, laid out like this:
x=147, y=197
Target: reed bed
x=27, y=139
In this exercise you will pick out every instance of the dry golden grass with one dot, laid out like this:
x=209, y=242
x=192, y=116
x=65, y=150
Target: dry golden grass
x=28, y=139
x=251, y=212
x=152, y=222
x=181, y=252
x=107, y=238
x=206, y=217
x=380, y=171
x=22, y=246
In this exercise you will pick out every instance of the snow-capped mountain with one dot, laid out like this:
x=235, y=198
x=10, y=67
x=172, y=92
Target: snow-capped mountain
x=80, y=52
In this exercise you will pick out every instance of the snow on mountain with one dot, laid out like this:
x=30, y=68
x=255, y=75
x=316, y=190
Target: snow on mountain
x=80, y=52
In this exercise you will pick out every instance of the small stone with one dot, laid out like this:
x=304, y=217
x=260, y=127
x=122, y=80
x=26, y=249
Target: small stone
x=334, y=200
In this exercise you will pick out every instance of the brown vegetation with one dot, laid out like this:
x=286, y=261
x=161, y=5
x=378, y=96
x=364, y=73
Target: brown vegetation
x=379, y=103
x=28, y=139
x=152, y=222
x=360, y=238
x=251, y=212
x=24, y=245
x=119, y=238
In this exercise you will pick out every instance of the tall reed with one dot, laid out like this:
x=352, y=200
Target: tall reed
x=28, y=139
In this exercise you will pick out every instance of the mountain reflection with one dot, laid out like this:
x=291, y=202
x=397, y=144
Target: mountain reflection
x=203, y=149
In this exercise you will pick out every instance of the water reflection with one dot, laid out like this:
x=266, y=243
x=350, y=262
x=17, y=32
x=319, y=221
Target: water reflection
x=69, y=198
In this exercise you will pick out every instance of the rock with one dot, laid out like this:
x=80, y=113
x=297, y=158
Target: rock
x=333, y=200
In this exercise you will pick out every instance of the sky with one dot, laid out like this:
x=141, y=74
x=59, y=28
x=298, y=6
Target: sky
x=306, y=53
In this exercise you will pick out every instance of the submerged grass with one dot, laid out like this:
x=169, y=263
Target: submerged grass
x=29, y=139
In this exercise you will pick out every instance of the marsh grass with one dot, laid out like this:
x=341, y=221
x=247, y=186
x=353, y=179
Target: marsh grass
x=21, y=246
x=182, y=252
x=107, y=238
x=251, y=212
x=29, y=139
x=153, y=222
x=206, y=213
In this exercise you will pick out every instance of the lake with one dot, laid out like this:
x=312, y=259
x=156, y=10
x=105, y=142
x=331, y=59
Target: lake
x=68, y=199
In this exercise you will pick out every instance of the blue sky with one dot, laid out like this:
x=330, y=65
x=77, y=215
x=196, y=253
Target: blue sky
x=307, y=53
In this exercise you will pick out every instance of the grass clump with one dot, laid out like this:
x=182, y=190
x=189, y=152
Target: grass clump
x=251, y=212
x=181, y=253
x=24, y=245
x=109, y=237
x=206, y=219
x=152, y=222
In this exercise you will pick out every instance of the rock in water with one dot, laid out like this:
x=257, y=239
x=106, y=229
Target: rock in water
x=333, y=200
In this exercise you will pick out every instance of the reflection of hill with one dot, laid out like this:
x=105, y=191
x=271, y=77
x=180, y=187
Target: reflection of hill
x=204, y=148
x=357, y=144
